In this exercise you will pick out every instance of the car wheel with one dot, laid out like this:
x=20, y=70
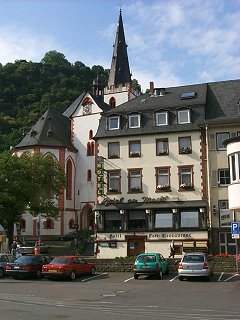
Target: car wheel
x=135, y=276
x=1, y=273
x=159, y=276
x=180, y=278
x=93, y=271
x=73, y=275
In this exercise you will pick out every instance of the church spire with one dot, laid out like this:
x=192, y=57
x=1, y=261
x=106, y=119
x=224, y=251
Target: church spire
x=119, y=72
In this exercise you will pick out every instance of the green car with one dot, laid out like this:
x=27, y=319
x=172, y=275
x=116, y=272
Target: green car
x=150, y=264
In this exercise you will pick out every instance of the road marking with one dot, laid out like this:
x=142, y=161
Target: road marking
x=220, y=277
x=129, y=279
x=231, y=277
x=98, y=275
x=173, y=278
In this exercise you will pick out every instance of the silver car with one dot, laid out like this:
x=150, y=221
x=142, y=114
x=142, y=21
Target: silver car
x=195, y=264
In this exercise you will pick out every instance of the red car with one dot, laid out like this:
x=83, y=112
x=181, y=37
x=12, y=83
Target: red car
x=67, y=267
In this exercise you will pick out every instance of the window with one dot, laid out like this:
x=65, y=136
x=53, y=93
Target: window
x=89, y=175
x=163, y=219
x=134, y=180
x=112, y=102
x=135, y=148
x=225, y=215
x=113, y=123
x=189, y=219
x=113, y=150
x=161, y=118
x=48, y=224
x=183, y=116
x=134, y=121
x=185, y=178
x=90, y=148
x=234, y=161
x=22, y=224
x=112, y=220
x=137, y=220
x=184, y=145
x=114, y=181
x=188, y=95
x=163, y=179
x=223, y=177
x=162, y=147
x=71, y=224
x=220, y=137
x=90, y=134
x=69, y=180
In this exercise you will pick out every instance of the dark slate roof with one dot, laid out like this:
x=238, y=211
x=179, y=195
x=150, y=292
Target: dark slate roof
x=148, y=104
x=52, y=130
x=119, y=72
x=99, y=101
x=223, y=102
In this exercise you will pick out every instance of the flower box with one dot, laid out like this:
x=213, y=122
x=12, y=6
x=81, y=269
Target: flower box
x=163, y=186
x=186, y=150
x=186, y=186
x=163, y=152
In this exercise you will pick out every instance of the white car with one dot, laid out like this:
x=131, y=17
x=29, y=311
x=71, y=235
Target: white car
x=195, y=264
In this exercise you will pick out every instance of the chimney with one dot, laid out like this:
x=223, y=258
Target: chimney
x=151, y=87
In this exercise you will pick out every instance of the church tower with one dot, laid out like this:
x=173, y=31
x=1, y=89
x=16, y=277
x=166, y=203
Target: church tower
x=118, y=89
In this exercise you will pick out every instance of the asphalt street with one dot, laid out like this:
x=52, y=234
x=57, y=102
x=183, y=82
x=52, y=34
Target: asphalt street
x=118, y=296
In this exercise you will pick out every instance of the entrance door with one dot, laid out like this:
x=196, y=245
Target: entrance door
x=135, y=245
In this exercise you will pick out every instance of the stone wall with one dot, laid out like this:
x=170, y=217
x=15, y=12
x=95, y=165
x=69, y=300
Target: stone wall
x=220, y=264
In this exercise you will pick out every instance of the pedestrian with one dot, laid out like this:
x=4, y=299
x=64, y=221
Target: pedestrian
x=14, y=248
x=172, y=249
x=18, y=250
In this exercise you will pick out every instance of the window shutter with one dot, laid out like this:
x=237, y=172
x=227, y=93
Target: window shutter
x=212, y=141
x=214, y=178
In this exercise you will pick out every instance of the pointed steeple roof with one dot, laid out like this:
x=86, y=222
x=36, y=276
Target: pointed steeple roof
x=119, y=72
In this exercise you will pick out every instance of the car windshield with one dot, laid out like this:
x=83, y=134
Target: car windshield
x=148, y=258
x=28, y=244
x=193, y=258
x=60, y=260
x=26, y=259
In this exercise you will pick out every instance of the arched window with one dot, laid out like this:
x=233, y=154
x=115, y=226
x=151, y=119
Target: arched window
x=89, y=175
x=112, y=102
x=90, y=148
x=69, y=180
x=71, y=224
x=90, y=134
x=22, y=224
x=48, y=224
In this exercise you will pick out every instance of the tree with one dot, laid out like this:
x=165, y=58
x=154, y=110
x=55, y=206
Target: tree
x=27, y=183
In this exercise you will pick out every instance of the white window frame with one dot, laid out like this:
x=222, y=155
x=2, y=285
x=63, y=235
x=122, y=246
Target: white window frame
x=132, y=117
x=111, y=119
x=160, y=115
x=225, y=177
x=183, y=113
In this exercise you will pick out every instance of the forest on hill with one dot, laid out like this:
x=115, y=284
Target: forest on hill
x=28, y=88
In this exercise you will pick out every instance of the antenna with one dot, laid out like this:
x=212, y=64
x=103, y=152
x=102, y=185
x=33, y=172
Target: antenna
x=120, y=5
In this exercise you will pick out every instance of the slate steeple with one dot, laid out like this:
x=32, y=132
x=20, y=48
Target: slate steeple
x=119, y=89
x=119, y=72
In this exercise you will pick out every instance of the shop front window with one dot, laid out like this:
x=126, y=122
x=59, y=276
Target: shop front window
x=189, y=219
x=163, y=220
x=112, y=220
x=137, y=220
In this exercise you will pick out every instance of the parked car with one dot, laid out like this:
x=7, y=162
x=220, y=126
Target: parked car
x=4, y=259
x=27, y=266
x=195, y=264
x=150, y=264
x=68, y=267
x=71, y=236
x=28, y=247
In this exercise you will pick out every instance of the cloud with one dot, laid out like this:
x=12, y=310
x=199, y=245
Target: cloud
x=16, y=44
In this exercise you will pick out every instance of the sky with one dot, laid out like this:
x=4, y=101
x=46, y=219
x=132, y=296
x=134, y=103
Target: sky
x=170, y=42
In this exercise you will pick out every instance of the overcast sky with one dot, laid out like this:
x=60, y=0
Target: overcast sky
x=170, y=42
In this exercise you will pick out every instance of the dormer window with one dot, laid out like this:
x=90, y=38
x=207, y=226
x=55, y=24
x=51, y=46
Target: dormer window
x=183, y=116
x=113, y=123
x=162, y=118
x=134, y=121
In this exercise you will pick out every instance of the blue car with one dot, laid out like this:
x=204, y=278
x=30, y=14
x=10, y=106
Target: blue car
x=150, y=264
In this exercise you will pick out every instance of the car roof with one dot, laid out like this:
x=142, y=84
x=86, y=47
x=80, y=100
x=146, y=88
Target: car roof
x=195, y=253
